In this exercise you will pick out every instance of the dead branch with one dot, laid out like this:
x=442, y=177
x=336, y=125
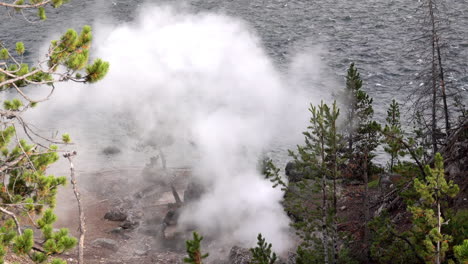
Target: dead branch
x=43, y=3
x=176, y=195
x=82, y=228
x=18, y=227
x=12, y=163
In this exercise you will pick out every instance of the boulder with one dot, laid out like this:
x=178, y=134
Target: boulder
x=172, y=216
x=193, y=192
x=116, y=214
x=295, y=173
x=105, y=243
x=130, y=224
x=387, y=181
x=111, y=150
x=239, y=255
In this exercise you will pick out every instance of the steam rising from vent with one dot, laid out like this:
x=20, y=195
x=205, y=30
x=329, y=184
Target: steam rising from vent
x=202, y=84
x=208, y=76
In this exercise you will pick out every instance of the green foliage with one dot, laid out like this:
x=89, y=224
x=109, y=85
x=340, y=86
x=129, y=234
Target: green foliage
x=262, y=253
x=393, y=135
x=362, y=134
x=193, y=250
x=20, y=48
x=386, y=247
x=312, y=200
x=13, y=105
x=58, y=261
x=70, y=51
x=4, y=55
x=97, y=71
x=24, y=243
x=271, y=172
x=461, y=252
x=426, y=221
x=26, y=191
x=28, y=185
x=58, y=242
x=457, y=227
x=373, y=184
x=66, y=138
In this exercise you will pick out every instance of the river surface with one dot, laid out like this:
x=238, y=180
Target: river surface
x=380, y=36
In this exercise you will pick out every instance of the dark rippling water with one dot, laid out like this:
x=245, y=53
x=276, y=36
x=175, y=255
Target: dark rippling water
x=380, y=36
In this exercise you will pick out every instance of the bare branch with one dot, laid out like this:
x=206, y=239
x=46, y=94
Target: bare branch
x=18, y=227
x=82, y=228
x=43, y=3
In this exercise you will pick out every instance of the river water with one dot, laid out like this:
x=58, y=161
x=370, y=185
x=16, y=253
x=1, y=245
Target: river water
x=380, y=36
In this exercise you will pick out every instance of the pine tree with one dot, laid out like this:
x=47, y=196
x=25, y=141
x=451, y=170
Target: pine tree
x=193, y=247
x=26, y=190
x=320, y=156
x=431, y=243
x=262, y=253
x=362, y=135
x=359, y=129
x=393, y=135
x=353, y=86
x=334, y=144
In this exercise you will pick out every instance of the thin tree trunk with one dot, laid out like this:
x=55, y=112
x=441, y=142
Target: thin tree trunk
x=434, y=81
x=439, y=229
x=366, y=208
x=438, y=218
x=442, y=85
x=335, y=173
x=82, y=228
x=324, y=200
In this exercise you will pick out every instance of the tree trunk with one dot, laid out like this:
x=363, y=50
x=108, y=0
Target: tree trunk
x=444, y=95
x=434, y=81
x=366, y=208
x=324, y=202
x=80, y=208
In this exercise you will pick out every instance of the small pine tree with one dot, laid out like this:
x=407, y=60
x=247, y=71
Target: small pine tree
x=393, y=135
x=361, y=132
x=353, y=86
x=427, y=220
x=195, y=255
x=461, y=252
x=321, y=158
x=262, y=253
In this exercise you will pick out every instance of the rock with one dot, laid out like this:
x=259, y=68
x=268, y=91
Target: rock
x=140, y=252
x=119, y=231
x=193, y=192
x=387, y=181
x=105, y=243
x=239, y=255
x=295, y=173
x=342, y=208
x=111, y=150
x=292, y=172
x=130, y=224
x=116, y=214
x=172, y=217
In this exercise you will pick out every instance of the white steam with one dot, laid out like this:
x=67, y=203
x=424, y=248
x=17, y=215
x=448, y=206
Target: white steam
x=209, y=77
x=202, y=84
